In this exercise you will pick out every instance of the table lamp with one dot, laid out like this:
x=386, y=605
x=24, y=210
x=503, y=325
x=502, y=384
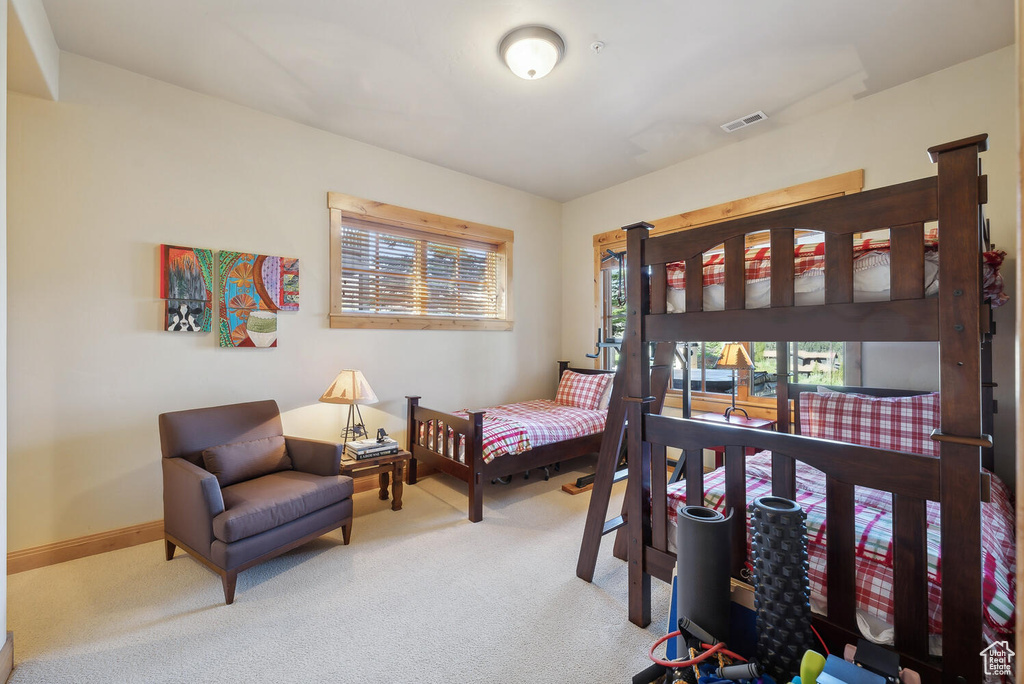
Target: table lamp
x=734, y=357
x=350, y=387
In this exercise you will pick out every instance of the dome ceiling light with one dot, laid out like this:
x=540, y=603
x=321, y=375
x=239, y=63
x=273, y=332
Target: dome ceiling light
x=531, y=52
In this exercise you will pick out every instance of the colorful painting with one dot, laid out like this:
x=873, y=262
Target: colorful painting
x=186, y=282
x=254, y=288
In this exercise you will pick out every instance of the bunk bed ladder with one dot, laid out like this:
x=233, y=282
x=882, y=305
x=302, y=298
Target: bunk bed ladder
x=608, y=458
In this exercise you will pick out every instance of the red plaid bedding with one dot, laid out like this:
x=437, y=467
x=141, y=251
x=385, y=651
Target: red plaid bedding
x=874, y=566
x=810, y=260
x=515, y=428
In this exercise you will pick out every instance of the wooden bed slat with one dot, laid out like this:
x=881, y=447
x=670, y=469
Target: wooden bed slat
x=659, y=482
x=735, y=276
x=838, y=268
x=659, y=288
x=695, y=283
x=908, y=320
x=910, y=575
x=736, y=500
x=782, y=267
x=839, y=553
x=694, y=477
x=783, y=476
x=876, y=209
x=906, y=268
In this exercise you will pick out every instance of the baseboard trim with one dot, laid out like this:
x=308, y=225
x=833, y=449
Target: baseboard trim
x=112, y=540
x=80, y=547
x=7, y=658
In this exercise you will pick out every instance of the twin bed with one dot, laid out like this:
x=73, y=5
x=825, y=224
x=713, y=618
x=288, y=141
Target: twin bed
x=885, y=505
x=478, y=446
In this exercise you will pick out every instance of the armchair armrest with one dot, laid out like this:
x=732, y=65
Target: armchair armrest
x=314, y=456
x=192, y=498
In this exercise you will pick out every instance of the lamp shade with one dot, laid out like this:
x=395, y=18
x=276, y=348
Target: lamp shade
x=350, y=387
x=734, y=357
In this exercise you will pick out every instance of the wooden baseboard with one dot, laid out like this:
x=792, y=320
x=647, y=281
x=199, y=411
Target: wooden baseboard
x=7, y=658
x=80, y=547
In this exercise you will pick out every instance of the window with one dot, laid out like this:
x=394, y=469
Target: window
x=398, y=268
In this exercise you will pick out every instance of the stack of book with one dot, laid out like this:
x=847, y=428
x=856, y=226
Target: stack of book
x=369, y=448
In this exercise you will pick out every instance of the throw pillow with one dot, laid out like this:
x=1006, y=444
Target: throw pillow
x=242, y=461
x=581, y=390
x=894, y=423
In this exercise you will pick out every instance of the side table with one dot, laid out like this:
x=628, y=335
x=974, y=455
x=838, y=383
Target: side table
x=392, y=466
x=741, y=421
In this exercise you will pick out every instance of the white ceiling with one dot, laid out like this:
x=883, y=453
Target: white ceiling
x=423, y=77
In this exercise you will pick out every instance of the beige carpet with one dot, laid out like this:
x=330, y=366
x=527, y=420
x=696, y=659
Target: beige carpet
x=420, y=595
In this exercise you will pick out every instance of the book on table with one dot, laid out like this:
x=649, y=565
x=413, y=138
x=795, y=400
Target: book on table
x=368, y=448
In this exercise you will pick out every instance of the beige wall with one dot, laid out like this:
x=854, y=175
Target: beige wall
x=123, y=163
x=886, y=134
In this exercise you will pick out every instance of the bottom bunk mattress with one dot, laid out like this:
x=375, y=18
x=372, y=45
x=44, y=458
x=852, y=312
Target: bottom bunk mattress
x=874, y=554
x=515, y=428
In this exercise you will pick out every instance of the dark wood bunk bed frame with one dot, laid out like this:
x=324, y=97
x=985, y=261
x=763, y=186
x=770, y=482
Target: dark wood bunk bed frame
x=958, y=319
x=474, y=472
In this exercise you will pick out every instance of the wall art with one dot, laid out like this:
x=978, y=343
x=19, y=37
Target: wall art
x=254, y=287
x=186, y=283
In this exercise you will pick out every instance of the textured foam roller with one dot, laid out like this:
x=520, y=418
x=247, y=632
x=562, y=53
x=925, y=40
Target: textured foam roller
x=781, y=589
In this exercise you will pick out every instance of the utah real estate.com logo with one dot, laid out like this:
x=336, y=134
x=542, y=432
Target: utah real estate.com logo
x=998, y=659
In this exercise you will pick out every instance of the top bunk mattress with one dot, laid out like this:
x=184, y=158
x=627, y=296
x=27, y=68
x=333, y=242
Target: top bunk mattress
x=871, y=266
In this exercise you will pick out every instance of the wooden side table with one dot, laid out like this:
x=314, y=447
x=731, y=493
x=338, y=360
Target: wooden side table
x=391, y=467
x=733, y=419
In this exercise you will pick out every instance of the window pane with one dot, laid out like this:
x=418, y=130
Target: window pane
x=765, y=376
x=819, y=363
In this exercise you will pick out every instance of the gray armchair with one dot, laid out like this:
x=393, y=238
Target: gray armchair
x=238, y=492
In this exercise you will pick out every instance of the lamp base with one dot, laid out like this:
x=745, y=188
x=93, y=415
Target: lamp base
x=354, y=426
x=733, y=409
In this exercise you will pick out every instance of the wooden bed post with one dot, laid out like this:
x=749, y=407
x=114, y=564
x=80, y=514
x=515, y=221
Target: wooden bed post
x=638, y=388
x=960, y=378
x=475, y=461
x=411, y=436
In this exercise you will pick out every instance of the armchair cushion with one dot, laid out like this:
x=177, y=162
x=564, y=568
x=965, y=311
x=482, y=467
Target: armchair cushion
x=241, y=461
x=261, y=504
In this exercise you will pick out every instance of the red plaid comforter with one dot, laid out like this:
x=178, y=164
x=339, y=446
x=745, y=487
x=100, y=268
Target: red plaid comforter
x=515, y=428
x=809, y=259
x=874, y=565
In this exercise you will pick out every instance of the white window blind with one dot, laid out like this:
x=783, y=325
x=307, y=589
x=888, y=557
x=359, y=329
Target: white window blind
x=394, y=267
x=388, y=270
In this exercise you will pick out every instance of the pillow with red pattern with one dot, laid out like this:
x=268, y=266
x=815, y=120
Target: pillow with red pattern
x=893, y=423
x=582, y=390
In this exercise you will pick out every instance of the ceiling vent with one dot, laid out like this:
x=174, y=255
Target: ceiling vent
x=744, y=121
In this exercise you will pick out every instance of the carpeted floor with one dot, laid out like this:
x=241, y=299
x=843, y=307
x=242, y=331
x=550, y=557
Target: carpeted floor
x=420, y=595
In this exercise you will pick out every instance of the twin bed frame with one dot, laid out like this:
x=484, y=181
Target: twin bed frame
x=443, y=454
x=958, y=319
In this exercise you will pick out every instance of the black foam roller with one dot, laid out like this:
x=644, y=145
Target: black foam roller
x=782, y=595
x=702, y=571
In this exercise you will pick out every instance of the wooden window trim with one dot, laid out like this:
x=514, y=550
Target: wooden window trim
x=422, y=225
x=803, y=193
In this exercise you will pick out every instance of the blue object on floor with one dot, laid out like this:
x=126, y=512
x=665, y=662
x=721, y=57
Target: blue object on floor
x=838, y=671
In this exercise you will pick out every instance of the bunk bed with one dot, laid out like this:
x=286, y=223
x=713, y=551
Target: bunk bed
x=957, y=317
x=487, y=444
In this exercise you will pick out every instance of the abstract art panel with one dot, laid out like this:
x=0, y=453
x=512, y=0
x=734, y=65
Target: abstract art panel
x=186, y=282
x=254, y=287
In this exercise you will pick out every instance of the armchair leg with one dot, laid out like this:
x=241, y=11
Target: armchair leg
x=169, y=549
x=228, y=580
x=346, y=532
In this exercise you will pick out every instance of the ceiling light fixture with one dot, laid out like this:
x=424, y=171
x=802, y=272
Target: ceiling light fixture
x=531, y=52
